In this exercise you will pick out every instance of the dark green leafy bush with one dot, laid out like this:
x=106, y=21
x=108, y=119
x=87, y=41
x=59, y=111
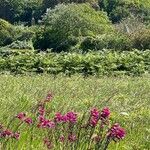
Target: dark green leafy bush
x=112, y=41
x=21, y=45
x=5, y=33
x=22, y=33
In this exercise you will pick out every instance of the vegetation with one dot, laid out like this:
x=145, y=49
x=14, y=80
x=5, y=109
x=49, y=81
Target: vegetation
x=128, y=98
x=93, y=56
x=92, y=63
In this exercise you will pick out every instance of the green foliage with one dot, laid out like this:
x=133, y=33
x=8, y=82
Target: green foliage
x=92, y=63
x=27, y=45
x=5, y=33
x=22, y=33
x=73, y=20
x=119, y=9
x=112, y=41
x=141, y=39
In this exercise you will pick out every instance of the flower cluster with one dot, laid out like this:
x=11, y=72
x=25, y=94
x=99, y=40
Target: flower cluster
x=6, y=133
x=94, y=117
x=68, y=128
x=116, y=132
x=22, y=116
x=70, y=117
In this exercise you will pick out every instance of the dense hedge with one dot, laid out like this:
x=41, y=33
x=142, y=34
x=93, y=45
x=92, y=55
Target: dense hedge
x=92, y=63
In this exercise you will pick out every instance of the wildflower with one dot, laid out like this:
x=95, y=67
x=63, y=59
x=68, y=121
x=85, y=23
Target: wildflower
x=21, y=116
x=50, y=124
x=95, y=113
x=48, y=97
x=59, y=117
x=16, y=135
x=93, y=122
x=28, y=121
x=71, y=117
x=41, y=111
x=105, y=113
x=116, y=132
x=6, y=133
x=72, y=137
x=46, y=124
x=62, y=138
x=48, y=143
x=94, y=117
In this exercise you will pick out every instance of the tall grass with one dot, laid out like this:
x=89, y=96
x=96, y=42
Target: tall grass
x=127, y=97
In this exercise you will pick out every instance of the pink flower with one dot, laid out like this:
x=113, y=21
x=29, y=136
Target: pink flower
x=59, y=117
x=6, y=133
x=116, y=132
x=71, y=117
x=41, y=111
x=16, y=135
x=44, y=123
x=94, y=117
x=72, y=138
x=21, y=116
x=48, y=143
x=28, y=121
x=93, y=122
x=95, y=113
x=105, y=113
x=62, y=138
x=50, y=124
x=48, y=97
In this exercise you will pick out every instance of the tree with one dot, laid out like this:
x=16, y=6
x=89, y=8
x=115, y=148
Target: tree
x=73, y=20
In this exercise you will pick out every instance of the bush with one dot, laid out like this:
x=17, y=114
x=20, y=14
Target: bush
x=141, y=39
x=5, y=33
x=21, y=45
x=112, y=41
x=22, y=33
x=91, y=63
x=73, y=20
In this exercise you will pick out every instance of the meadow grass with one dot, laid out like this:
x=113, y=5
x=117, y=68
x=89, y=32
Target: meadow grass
x=127, y=97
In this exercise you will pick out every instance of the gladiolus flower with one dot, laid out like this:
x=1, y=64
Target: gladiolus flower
x=94, y=117
x=105, y=113
x=28, y=121
x=71, y=117
x=48, y=143
x=72, y=138
x=21, y=116
x=16, y=135
x=41, y=111
x=62, y=138
x=48, y=97
x=6, y=133
x=116, y=132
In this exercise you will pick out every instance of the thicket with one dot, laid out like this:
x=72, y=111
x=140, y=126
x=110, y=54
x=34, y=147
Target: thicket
x=92, y=63
x=67, y=22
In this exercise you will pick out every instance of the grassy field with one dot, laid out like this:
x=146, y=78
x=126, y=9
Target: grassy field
x=129, y=101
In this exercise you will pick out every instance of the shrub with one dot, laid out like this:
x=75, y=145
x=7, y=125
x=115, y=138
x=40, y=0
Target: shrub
x=141, y=39
x=72, y=20
x=5, y=33
x=112, y=41
x=21, y=45
x=22, y=33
